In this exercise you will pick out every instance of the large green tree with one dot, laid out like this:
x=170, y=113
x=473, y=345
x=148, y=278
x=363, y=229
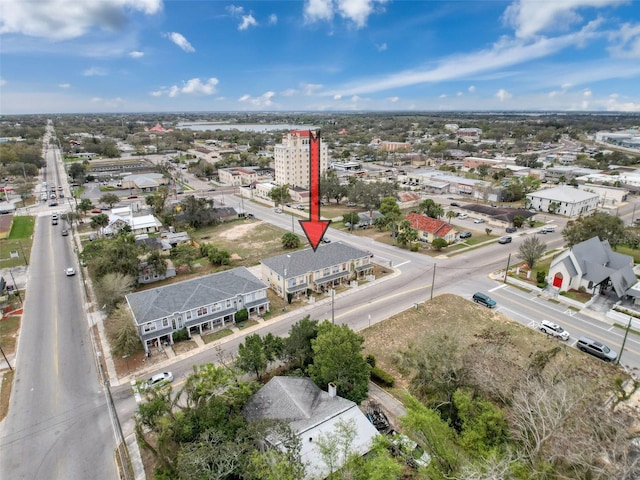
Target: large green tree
x=297, y=346
x=605, y=227
x=256, y=352
x=280, y=195
x=337, y=358
x=109, y=199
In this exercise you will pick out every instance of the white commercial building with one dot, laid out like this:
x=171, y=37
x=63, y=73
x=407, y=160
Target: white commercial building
x=291, y=159
x=567, y=201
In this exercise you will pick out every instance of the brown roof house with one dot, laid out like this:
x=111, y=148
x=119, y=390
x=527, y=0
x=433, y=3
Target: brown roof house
x=431, y=228
x=313, y=415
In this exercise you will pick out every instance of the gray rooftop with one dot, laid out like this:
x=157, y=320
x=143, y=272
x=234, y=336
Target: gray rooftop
x=564, y=194
x=160, y=302
x=297, y=400
x=303, y=261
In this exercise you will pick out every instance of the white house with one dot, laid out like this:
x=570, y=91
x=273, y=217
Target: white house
x=564, y=200
x=312, y=414
x=122, y=216
x=593, y=265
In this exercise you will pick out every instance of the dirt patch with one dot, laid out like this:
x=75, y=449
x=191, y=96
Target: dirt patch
x=239, y=231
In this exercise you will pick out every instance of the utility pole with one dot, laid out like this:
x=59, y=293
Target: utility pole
x=6, y=359
x=433, y=280
x=506, y=272
x=333, y=317
x=15, y=286
x=624, y=340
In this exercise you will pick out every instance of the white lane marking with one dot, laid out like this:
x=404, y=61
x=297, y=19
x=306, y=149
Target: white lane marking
x=403, y=263
x=498, y=287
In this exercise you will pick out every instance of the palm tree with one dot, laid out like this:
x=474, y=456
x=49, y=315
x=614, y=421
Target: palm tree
x=451, y=215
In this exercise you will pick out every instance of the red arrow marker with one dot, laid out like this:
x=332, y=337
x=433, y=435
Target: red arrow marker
x=314, y=228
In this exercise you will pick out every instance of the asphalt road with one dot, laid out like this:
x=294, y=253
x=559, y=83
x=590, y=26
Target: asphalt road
x=58, y=425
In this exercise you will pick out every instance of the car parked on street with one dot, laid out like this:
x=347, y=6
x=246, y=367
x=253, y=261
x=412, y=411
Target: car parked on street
x=554, y=330
x=465, y=235
x=463, y=216
x=278, y=210
x=69, y=272
x=158, y=380
x=597, y=349
x=484, y=299
x=65, y=232
x=511, y=229
x=478, y=220
x=504, y=240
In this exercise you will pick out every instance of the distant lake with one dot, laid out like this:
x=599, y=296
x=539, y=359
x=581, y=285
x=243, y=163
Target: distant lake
x=243, y=127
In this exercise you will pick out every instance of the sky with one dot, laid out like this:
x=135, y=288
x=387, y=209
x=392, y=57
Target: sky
x=127, y=56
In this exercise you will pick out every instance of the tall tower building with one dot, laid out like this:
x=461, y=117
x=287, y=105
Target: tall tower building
x=291, y=159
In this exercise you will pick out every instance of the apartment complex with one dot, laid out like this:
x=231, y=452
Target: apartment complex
x=291, y=158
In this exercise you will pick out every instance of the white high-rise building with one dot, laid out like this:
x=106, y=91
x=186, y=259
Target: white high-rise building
x=291, y=159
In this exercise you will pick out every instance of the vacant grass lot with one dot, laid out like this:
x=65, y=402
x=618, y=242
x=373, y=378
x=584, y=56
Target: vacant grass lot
x=20, y=240
x=477, y=329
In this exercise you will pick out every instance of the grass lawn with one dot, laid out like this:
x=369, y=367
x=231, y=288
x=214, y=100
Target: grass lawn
x=20, y=241
x=583, y=297
x=8, y=334
x=5, y=393
x=212, y=337
x=626, y=250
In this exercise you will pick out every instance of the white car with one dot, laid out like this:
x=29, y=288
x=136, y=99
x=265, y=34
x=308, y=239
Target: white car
x=478, y=220
x=462, y=216
x=278, y=210
x=158, y=380
x=554, y=330
x=69, y=272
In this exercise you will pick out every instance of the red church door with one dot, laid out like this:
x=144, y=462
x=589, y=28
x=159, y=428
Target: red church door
x=557, y=280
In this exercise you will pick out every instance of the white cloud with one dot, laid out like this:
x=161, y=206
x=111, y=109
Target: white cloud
x=393, y=99
x=290, y=92
x=310, y=88
x=247, y=21
x=3, y=82
x=64, y=85
x=337, y=97
x=627, y=41
x=587, y=92
x=442, y=95
x=263, y=100
x=355, y=11
x=180, y=41
x=531, y=17
x=66, y=19
x=235, y=10
x=505, y=53
x=94, y=72
x=566, y=86
x=355, y=98
x=381, y=47
x=471, y=89
x=614, y=105
x=136, y=54
x=273, y=19
x=195, y=86
x=459, y=94
x=503, y=95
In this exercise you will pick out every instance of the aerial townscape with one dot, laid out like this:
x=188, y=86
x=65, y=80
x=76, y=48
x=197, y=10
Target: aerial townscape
x=326, y=239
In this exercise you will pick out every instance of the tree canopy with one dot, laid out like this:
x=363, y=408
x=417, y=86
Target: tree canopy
x=605, y=227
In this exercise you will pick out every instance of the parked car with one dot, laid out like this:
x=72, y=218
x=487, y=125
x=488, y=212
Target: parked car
x=465, y=235
x=548, y=229
x=554, y=330
x=70, y=272
x=300, y=207
x=409, y=450
x=278, y=210
x=511, y=229
x=158, y=380
x=462, y=216
x=65, y=232
x=483, y=299
x=597, y=349
x=351, y=204
x=454, y=204
x=478, y=220
x=505, y=239
x=325, y=240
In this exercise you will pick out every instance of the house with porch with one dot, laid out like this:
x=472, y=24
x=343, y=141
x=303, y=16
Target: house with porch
x=592, y=264
x=312, y=414
x=431, y=228
x=199, y=304
x=330, y=265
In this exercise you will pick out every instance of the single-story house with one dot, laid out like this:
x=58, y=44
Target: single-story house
x=122, y=216
x=431, y=228
x=330, y=265
x=592, y=264
x=313, y=415
x=202, y=303
x=564, y=200
x=144, y=182
x=367, y=219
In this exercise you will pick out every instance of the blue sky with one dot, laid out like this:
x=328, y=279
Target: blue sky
x=93, y=56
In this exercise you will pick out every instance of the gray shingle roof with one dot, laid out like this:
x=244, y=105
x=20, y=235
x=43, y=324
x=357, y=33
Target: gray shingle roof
x=160, y=302
x=303, y=261
x=297, y=400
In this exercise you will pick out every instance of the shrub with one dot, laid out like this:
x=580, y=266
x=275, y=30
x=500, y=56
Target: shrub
x=181, y=335
x=242, y=315
x=381, y=377
x=541, y=277
x=371, y=360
